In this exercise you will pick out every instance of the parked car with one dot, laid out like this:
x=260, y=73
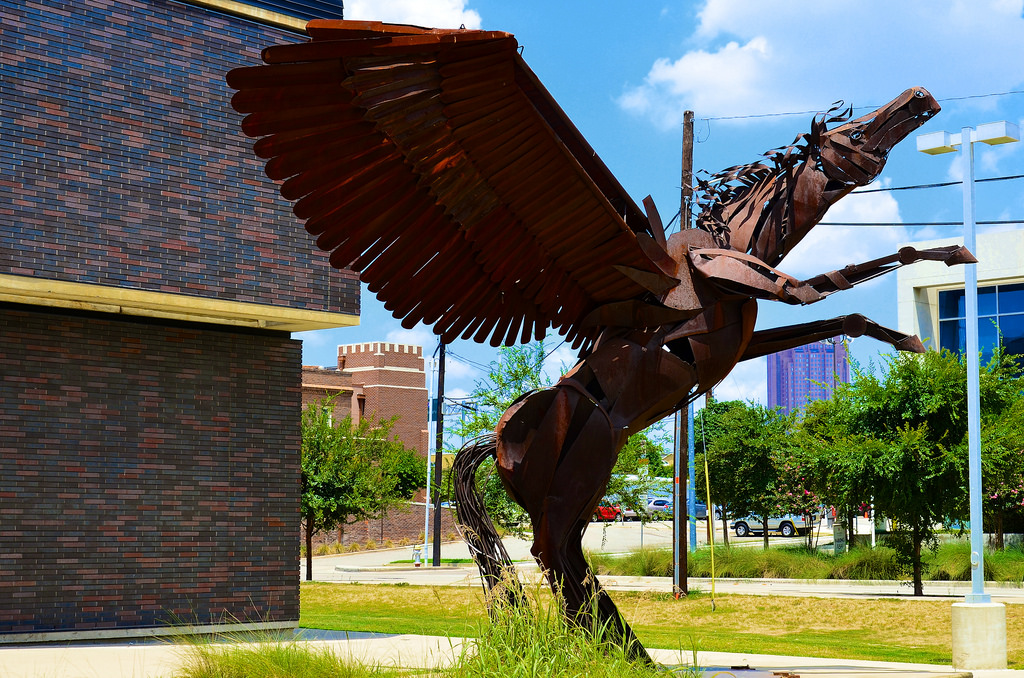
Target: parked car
x=608, y=512
x=629, y=514
x=787, y=525
x=660, y=506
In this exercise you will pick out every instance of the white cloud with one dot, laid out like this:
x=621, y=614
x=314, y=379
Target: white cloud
x=828, y=248
x=747, y=381
x=428, y=13
x=418, y=336
x=457, y=370
x=708, y=81
x=456, y=393
x=757, y=57
x=561, y=360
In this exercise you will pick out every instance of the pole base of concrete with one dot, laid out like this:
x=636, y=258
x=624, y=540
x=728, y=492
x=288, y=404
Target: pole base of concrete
x=979, y=636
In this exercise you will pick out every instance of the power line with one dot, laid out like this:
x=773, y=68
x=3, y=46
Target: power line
x=939, y=185
x=467, y=361
x=890, y=224
x=856, y=108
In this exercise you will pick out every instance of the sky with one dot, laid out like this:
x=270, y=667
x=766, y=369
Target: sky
x=754, y=73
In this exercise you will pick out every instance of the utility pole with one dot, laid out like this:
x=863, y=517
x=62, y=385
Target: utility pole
x=680, y=585
x=439, y=445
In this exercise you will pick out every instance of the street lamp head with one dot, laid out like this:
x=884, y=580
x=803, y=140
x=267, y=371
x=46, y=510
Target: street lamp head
x=936, y=143
x=991, y=133
x=995, y=133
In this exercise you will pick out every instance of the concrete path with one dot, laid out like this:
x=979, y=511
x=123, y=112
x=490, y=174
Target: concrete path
x=160, y=660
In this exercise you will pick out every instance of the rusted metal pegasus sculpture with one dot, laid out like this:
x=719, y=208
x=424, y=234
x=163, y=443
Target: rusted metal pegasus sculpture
x=434, y=164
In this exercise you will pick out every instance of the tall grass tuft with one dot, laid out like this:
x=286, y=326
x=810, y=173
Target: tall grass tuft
x=952, y=561
x=753, y=563
x=645, y=562
x=272, y=659
x=867, y=563
x=538, y=642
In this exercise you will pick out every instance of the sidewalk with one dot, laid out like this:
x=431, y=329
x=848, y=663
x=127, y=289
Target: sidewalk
x=160, y=660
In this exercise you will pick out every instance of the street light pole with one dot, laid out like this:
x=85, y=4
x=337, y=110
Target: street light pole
x=977, y=594
x=933, y=144
x=979, y=626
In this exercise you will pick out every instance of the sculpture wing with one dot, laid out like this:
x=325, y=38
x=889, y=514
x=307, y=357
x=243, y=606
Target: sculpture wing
x=435, y=164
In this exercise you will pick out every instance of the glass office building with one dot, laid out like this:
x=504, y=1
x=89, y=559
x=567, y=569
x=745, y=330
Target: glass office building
x=1000, y=316
x=930, y=297
x=805, y=373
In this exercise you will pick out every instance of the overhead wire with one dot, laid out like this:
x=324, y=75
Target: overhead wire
x=987, y=222
x=753, y=116
x=937, y=185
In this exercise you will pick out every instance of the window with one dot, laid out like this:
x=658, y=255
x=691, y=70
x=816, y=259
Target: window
x=1000, y=311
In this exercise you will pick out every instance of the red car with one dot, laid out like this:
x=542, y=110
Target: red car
x=608, y=512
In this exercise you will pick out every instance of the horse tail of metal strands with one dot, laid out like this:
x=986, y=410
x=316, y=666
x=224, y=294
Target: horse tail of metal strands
x=434, y=164
x=496, y=567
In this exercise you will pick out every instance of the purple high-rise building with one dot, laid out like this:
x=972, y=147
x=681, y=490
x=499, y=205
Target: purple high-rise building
x=806, y=373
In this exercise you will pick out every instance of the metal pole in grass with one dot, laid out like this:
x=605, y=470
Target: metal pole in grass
x=707, y=489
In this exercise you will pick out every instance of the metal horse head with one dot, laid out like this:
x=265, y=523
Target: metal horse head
x=766, y=207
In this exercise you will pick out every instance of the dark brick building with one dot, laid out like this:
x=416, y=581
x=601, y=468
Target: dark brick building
x=380, y=380
x=150, y=278
x=377, y=380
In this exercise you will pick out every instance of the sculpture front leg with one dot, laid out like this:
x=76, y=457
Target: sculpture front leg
x=778, y=339
x=854, y=274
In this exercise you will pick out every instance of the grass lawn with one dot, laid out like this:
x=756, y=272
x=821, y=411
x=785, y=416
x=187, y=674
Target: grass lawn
x=878, y=629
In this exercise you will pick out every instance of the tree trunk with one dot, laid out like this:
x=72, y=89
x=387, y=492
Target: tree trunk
x=916, y=559
x=764, y=531
x=725, y=528
x=851, y=528
x=999, y=530
x=309, y=549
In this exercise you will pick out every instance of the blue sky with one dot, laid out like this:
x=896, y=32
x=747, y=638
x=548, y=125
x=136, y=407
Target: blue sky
x=625, y=72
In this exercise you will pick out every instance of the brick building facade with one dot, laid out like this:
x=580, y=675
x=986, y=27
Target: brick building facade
x=150, y=276
x=379, y=380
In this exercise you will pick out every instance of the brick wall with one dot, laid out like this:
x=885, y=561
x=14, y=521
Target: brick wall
x=122, y=163
x=150, y=473
x=324, y=382
x=403, y=522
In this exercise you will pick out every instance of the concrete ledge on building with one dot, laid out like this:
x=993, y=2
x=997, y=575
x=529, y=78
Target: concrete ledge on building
x=31, y=638
x=19, y=289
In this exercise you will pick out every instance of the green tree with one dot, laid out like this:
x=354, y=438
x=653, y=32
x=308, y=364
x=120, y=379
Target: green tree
x=899, y=439
x=639, y=472
x=350, y=472
x=707, y=427
x=746, y=456
x=1002, y=443
x=838, y=464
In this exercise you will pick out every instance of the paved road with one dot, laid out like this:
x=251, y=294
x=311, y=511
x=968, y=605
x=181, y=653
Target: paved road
x=375, y=567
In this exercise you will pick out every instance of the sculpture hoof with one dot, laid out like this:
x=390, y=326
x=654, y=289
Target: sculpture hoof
x=911, y=344
x=961, y=256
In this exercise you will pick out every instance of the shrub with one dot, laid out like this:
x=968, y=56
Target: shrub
x=880, y=562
